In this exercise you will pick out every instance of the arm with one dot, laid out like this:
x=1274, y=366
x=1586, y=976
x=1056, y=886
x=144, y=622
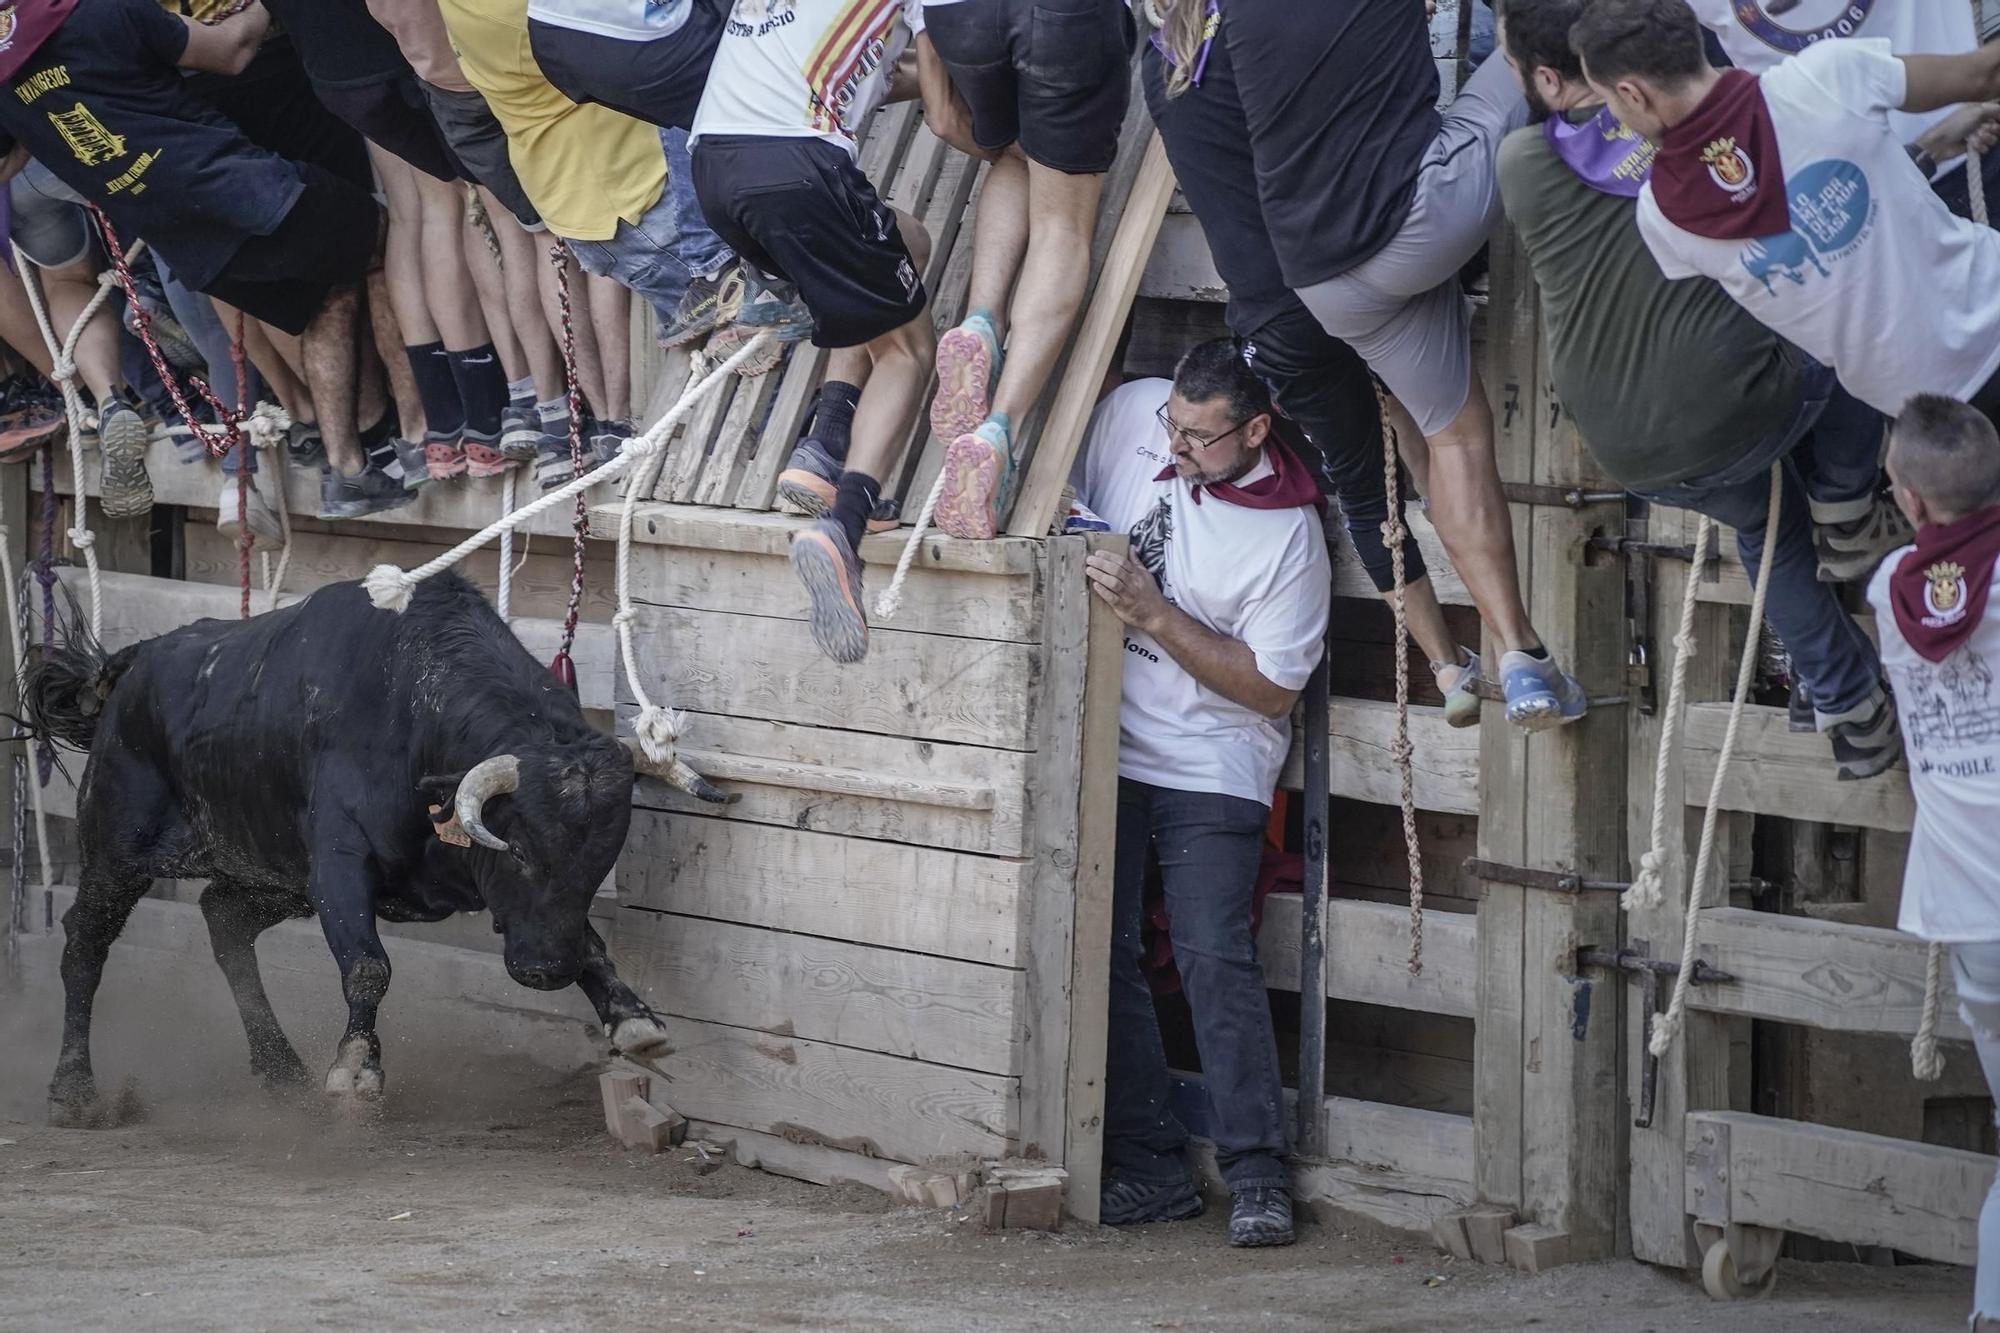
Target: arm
x=1975, y=125
x=1932, y=82
x=1225, y=665
x=225, y=47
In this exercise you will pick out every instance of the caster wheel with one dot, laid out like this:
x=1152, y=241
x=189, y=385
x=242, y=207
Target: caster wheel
x=1718, y=1276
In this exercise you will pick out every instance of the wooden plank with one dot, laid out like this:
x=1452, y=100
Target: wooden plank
x=1398, y=1200
x=835, y=1096
x=691, y=447
x=1368, y=955
x=916, y=898
x=1404, y=1140
x=925, y=686
x=735, y=441
x=696, y=528
x=1777, y=771
x=1444, y=763
x=1181, y=267
x=1818, y=974
x=817, y=792
x=1840, y=1185
x=801, y=1161
x=940, y=1010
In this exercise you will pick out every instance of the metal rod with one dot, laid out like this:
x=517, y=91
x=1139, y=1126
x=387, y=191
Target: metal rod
x=1310, y=1134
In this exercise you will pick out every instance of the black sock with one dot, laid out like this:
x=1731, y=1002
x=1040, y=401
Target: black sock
x=432, y=370
x=833, y=417
x=379, y=444
x=1539, y=652
x=482, y=387
x=853, y=502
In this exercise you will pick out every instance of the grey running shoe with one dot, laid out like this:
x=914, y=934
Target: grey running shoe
x=521, y=433
x=700, y=309
x=1851, y=537
x=603, y=442
x=554, y=467
x=1122, y=1202
x=810, y=479
x=303, y=443
x=122, y=437
x=367, y=492
x=1261, y=1215
x=414, y=464
x=762, y=308
x=1461, y=701
x=831, y=572
x=1866, y=739
x=1539, y=693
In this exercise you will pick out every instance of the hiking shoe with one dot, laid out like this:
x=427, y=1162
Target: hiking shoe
x=267, y=527
x=810, y=478
x=700, y=308
x=303, y=444
x=1799, y=714
x=1539, y=693
x=482, y=454
x=522, y=433
x=1866, y=739
x=827, y=565
x=604, y=442
x=554, y=468
x=761, y=308
x=367, y=492
x=886, y=516
x=121, y=438
x=1461, y=701
x=968, y=362
x=175, y=344
x=1261, y=1215
x=444, y=456
x=1850, y=537
x=411, y=462
x=1122, y=1202
x=977, y=469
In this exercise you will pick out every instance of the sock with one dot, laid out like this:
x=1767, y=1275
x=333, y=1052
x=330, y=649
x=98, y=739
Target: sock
x=1540, y=652
x=482, y=387
x=521, y=392
x=435, y=388
x=834, y=417
x=554, y=412
x=378, y=443
x=856, y=499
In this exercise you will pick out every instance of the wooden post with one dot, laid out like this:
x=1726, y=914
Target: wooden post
x=1546, y=1113
x=1310, y=1134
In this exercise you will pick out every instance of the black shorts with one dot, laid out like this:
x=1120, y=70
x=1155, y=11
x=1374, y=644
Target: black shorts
x=657, y=81
x=394, y=114
x=327, y=240
x=1052, y=75
x=274, y=104
x=801, y=210
x=480, y=146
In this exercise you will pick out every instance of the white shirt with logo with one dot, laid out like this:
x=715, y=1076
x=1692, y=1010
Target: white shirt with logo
x=1260, y=576
x=1755, y=38
x=1950, y=712
x=1876, y=278
x=627, y=20
x=804, y=68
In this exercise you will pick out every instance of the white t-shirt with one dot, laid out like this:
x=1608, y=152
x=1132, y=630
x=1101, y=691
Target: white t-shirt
x=1876, y=278
x=804, y=69
x=1950, y=712
x=627, y=20
x=1756, y=41
x=1260, y=576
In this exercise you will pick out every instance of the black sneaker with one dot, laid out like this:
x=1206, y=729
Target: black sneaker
x=367, y=492
x=1867, y=739
x=122, y=438
x=700, y=309
x=1131, y=1203
x=521, y=433
x=554, y=467
x=412, y=462
x=303, y=444
x=1261, y=1215
x=1851, y=537
x=603, y=442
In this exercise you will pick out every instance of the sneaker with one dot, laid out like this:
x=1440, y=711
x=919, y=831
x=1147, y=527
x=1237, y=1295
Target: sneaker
x=968, y=362
x=886, y=516
x=1799, y=714
x=762, y=308
x=267, y=527
x=412, y=462
x=303, y=444
x=1866, y=739
x=700, y=308
x=1851, y=537
x=175, y=344
x=1261, y=1215
x=1122, y=1202
x=26, y=426
x=1539, y=693
x=482, y=454
x=827, y=565
x=522, y=433
x=978, y=470
x=810, y=478
x=603, y=442
x=444, y=455
x=1461, y=700
x=121, y=436
x=553, y=465
x=367, y=492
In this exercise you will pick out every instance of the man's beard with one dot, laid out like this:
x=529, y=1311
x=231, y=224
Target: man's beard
x=1206, y=478
x=1538, y=110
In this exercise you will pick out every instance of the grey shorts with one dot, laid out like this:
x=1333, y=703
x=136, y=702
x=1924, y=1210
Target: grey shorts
x=474, y=135
x=50, y=223
x=1401, y=308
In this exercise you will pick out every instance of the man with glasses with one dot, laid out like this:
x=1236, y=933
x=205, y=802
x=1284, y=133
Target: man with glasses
x=1224, y=595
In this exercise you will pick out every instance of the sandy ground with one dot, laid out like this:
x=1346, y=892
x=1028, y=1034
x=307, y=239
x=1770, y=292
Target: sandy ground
x=487, y=1197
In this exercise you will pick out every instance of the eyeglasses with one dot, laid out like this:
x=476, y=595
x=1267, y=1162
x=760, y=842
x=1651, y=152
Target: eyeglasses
x=1195, y=438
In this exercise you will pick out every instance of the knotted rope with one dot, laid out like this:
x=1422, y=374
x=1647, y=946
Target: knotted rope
x=891, y=599
x=1647, y=891
x=1394, y=534
x=564, y=666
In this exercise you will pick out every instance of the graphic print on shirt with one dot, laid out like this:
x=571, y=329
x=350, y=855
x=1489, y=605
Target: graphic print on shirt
x=86, y=136
x=849, y=52
x=1150, y=536
x=1832, y=210
x=1949, y=706
x=1806, y=21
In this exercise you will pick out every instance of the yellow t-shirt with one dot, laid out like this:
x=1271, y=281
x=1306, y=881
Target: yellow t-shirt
x=584, y=167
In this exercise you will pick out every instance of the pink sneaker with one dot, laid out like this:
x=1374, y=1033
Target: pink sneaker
x=975, y=470
x=965, y=380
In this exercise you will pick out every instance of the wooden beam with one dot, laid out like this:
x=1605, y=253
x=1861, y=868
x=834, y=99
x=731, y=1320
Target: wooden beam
x=1368, y=948
x=1777, y=771
x=700, y=529
x=1444, y=762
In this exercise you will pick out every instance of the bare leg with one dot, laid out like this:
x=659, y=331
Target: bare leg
x=1050, y=290
x=899, y=371
x=1426, y=621
x=1470, y=512
x=18, y=328
x=611, y=320
x=385, y=326
x=449, y=292
x=332, y=370
x=999, y=237
x=589, y=372
x=276, y=355
x=526, y=271
x=68, y=291
x=489, y=282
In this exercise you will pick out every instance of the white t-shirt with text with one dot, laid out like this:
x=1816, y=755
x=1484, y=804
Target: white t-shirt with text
x=804, y=69
x=627, y=20
x=1876, y=278
x=1950, y=712
x=1260, y=576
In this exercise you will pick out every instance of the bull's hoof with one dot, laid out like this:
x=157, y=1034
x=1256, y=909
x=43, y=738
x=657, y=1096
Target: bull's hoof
x=641, y=1039
x=83, y=1108
x=282, y=1071
x=355, y=1081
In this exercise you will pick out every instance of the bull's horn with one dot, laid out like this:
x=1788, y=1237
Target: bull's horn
x=488, y=778
x=677, y=774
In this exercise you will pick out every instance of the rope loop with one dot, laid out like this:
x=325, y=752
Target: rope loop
x=82, y=538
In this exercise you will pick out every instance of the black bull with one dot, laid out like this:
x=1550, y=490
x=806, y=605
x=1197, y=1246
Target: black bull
x=291, y=760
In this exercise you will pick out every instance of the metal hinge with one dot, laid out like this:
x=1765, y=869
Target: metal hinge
x=1635, y=960
x=1558, y=497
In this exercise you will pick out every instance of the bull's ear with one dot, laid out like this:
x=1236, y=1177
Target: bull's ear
x=439, y=788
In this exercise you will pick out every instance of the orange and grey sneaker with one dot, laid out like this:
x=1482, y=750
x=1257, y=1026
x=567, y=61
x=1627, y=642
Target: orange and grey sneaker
x=825, y=562
x=483, y=457
x=444, y=455
x=810, y=479
x=977, y=469
x=968, y=361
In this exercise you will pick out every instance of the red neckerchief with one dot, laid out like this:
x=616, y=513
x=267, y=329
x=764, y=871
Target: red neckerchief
x=1718, y=173
x=24, y=26
x=1939, y=590
x=1288, y=485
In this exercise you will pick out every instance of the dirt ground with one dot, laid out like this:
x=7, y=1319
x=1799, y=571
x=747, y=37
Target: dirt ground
x=488, y=1197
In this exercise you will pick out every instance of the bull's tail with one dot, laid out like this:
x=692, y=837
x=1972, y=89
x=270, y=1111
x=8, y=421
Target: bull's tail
x=67, y=681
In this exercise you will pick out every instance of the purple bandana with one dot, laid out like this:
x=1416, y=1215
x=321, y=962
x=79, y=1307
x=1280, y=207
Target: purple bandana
x=1604, y=154
x=1209, y=28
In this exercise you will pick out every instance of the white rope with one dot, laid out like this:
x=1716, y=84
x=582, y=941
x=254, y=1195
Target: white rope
x=20, y=672
x=1668, y=1025
x=503, y=599
x=390, y=587
x=1925, y=1060
x=891, y=600
x=1648, y=889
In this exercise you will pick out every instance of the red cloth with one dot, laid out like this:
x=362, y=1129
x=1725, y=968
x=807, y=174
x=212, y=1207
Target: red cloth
x=1718, y=173
x=24, y=26
x=1289, y=485
x=1939, y=591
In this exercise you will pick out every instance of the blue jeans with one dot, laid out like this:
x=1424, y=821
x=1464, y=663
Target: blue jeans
x=1833, y=658
x=670, y=245
x=1975, y=971
x=196, y=314
x=1209, y=847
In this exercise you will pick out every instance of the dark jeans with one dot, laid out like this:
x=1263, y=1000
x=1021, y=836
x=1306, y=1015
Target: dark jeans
x=1834, y=659
x=1209, y=847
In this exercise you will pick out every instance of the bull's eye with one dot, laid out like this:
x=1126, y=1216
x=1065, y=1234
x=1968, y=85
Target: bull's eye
x=520, y=857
